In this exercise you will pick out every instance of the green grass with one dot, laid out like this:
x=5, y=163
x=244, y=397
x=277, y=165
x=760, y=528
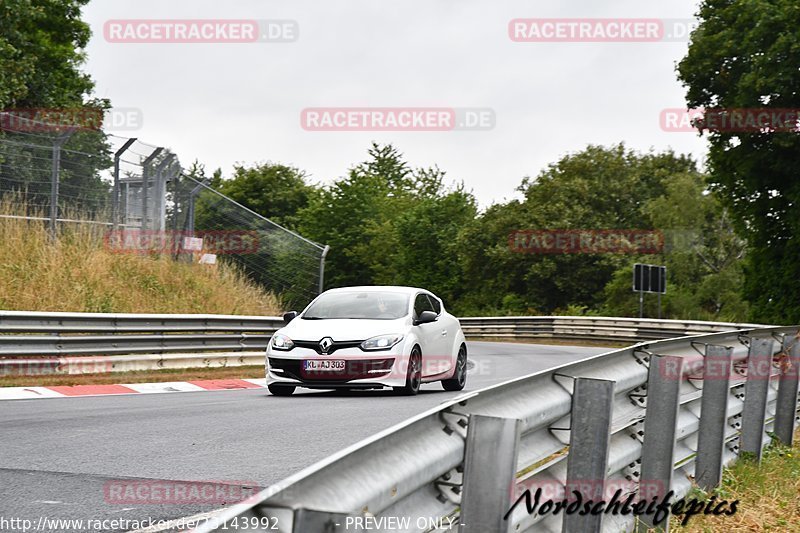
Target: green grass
x=768, y=494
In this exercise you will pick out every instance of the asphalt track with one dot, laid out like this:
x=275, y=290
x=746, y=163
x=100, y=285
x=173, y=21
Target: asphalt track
x=58, y=457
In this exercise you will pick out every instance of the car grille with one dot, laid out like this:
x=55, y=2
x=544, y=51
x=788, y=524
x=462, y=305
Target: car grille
x=354, y=369
x=337, y=345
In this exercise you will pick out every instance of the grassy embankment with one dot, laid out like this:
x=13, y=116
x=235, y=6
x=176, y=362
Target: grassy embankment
x=78, y=273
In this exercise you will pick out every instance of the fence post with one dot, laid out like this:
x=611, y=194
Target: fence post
x=713, y=416
x=490, y=468
x=664, y=379
x=786, y=404
x=160, y=201
x=58, y=142
x=145, y=183
x=589, y=439
x=322, y=268
x=115, y=197
x=190, y=211
x=759, y=370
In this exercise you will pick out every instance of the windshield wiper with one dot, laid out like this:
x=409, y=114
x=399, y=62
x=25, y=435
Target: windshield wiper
x=313, y=318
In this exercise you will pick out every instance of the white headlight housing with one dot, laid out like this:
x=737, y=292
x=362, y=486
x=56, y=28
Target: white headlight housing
x=281, y=342
x=381, y=342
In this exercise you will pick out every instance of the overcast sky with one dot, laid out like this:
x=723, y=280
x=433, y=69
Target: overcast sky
x=242, y=102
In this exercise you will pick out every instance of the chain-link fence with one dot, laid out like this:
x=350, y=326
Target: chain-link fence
x=34, y=153
x=272, y=255
x=72, y=172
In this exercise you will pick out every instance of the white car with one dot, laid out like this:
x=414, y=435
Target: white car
x=368, y=338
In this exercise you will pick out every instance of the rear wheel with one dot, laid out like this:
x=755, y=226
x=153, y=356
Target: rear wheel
x=281, y=390
x=413, y=374
x=459, y=378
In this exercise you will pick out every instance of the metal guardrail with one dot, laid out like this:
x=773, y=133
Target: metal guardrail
x=104, y=342
x=55, y=334
x=590, y=328
x=649, y=418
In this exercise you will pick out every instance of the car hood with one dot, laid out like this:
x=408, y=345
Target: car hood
x=342, y=329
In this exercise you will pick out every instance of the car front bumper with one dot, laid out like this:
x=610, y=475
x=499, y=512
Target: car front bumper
x=361, y=370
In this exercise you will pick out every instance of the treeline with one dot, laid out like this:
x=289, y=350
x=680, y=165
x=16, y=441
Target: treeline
x=388, y=222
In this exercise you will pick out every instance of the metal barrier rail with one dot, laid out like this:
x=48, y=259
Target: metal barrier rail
x=54, y=334
x=48, y=322
x=82, y=334
x=591, y=426
x=590, y=328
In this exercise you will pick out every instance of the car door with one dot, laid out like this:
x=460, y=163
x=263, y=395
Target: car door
x=433, y=337
x=449, y=334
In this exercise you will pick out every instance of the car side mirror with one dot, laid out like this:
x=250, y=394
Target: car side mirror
x=426, y=317
x=288, y=317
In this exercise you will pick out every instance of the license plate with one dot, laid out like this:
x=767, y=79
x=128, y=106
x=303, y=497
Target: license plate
x=323, y=364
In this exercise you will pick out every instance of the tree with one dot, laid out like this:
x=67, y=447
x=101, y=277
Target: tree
x=388, y=223
x=425, y=242
x=353, y=216
x=272, y=190
x=745, y=54
x=597, y=188
x=41, y=55
x=702, y=253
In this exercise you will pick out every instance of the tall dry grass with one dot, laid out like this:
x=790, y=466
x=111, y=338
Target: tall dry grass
x=78, y=273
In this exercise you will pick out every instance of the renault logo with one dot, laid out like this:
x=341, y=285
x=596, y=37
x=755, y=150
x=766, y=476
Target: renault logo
x=325, y=345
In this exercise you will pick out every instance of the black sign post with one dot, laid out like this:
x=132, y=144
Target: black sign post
x=649, y=278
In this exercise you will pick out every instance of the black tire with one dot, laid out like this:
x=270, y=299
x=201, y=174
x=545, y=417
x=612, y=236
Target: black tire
x=281, y=390
x=413, y=374
x=459, y=378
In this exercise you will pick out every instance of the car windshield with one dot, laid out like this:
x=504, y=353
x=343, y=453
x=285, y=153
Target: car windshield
x=373, y=305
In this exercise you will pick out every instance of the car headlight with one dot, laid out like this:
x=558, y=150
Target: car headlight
x=282, y=342
x=381, y=342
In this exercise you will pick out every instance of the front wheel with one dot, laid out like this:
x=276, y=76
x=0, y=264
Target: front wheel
x=413, y=374
x=459, y=378
x=281, y=390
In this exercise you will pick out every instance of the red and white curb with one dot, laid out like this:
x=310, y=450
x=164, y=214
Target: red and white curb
x=28, y=393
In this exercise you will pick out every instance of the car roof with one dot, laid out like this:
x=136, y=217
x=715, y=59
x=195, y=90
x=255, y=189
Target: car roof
x=379, y=288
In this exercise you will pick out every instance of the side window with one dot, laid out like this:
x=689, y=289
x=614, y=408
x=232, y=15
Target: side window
x=437, y=305
x=421, y=303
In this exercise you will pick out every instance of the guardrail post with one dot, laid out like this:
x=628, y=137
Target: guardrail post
x=663, y=401
x=786, y=404
x=713, y=416
x=759, y=370
x=589, y=438
x=490, y=470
